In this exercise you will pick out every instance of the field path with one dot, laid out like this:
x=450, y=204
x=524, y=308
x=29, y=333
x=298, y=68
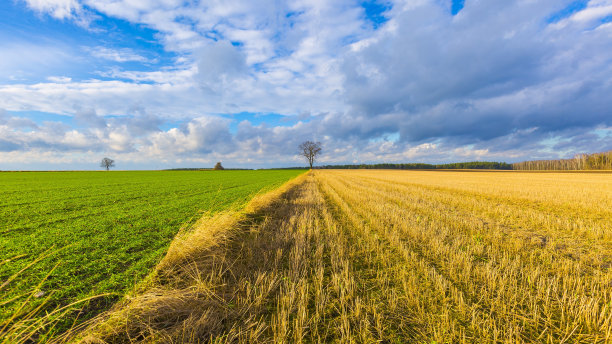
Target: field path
x=388, y=257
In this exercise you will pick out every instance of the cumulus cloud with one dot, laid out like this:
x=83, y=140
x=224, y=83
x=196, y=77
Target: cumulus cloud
x=498, y=80
x=89, y=118
x=492, y=70
x=14, y=122
x=282, y=58
x=200, y=136
x=141, y=124
x=204, y=140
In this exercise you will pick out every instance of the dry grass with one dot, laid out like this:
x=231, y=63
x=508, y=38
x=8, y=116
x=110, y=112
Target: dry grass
x=388, y=257
x=33, y=321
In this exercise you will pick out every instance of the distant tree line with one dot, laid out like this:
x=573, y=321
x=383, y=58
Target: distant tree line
x=594, y=161
x=205, y=169
x=477, y=165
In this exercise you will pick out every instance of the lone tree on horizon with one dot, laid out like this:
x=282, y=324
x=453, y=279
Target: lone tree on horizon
x=107, y=163
x=218, y=166
x=310, y=150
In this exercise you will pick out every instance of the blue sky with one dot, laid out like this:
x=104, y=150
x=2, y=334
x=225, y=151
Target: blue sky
x=171, y=83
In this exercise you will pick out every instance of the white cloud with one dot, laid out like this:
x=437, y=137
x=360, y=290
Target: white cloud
x=60, y=9
x=117, y=55
x=295, y=46
x=59, y=79
x=220, y=63
x=595, y=10
x=495, y=79
x=465, y=78
x=207, y=139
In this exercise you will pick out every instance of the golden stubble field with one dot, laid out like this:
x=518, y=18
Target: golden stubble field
x=369, y=256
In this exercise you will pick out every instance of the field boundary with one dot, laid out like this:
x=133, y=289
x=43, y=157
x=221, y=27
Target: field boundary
x=191, y=245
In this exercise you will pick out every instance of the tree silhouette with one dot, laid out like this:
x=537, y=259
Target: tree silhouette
x=107, y=163
x=310, y=150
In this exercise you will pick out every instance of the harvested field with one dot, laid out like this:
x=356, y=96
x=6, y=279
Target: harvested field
x=389, y=257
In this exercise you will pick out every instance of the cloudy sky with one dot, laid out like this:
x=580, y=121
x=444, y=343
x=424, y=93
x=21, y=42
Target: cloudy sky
x=185, y=83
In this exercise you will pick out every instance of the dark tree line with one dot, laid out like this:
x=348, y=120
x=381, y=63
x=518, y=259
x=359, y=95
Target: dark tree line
x=485, y=165
x=595, y=161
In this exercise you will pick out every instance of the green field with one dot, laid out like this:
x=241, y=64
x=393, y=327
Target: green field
x=103, y=230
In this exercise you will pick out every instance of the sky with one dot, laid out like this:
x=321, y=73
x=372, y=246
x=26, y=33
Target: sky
x=157, y=84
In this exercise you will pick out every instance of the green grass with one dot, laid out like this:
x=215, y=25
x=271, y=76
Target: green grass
x=110, y=228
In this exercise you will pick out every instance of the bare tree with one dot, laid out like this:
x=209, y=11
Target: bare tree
x=310, y=150
x=107, y=163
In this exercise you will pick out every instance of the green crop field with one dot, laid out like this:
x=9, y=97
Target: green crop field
x=66, y=236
